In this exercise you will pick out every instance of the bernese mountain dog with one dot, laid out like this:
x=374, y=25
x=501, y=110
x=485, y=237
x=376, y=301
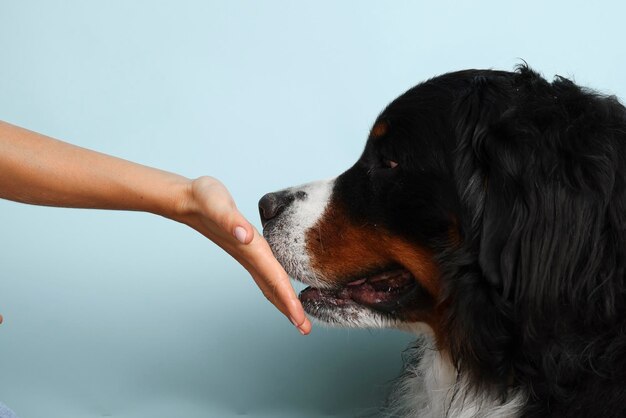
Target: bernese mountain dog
x=487, y=214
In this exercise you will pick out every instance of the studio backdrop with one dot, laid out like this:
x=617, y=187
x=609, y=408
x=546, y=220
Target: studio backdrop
x=131, y=315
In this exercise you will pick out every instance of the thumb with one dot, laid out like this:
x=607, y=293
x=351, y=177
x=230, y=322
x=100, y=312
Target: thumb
x=241, y=229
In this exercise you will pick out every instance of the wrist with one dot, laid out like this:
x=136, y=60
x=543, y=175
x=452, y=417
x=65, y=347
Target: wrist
x=181, y=204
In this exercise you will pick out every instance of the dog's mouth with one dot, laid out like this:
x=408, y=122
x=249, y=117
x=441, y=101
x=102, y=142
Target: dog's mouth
x=391, y=292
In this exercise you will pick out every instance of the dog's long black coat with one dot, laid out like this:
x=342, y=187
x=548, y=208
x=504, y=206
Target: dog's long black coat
x=533, y=175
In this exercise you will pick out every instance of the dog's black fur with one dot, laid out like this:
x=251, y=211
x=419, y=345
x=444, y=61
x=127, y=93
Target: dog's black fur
x=531, y=176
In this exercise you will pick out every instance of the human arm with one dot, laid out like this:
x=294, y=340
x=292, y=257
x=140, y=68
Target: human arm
x=43, y=171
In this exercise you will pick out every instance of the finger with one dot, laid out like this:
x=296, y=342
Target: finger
x=280, y=293
x=273, y=280
x=294, y=311
x=305, y=328
x=276, y=286
x=284, y=299
x=1, y=319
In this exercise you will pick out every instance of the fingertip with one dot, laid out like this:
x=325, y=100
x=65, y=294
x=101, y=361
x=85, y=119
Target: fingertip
x=305, y=328
x=1, y=319
x=298, y=318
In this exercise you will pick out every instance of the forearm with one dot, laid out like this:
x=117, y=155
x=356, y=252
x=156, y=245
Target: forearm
x=40, y=170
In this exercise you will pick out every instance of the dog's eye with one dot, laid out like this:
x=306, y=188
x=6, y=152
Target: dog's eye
x=389, y=163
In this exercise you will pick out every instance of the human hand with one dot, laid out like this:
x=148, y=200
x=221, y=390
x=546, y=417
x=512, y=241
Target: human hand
x=210, y=209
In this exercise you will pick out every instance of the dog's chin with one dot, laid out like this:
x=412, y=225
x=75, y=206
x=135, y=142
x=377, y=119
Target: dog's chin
x=387, y=299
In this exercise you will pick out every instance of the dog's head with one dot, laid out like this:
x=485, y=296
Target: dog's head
x=487, y=208
x=368, y=242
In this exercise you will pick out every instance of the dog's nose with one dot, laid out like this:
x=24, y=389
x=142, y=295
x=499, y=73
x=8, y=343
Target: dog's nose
x=272, y=204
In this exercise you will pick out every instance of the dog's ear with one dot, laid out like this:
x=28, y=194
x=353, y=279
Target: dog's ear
x=545, y=216
x=479, y=320
x=479, y=114
x=546, y=186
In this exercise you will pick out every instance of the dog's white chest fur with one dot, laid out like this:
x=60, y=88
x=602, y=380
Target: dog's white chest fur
x=432, y=389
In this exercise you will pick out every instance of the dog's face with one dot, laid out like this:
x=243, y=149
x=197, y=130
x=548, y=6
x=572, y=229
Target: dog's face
x=366, y=241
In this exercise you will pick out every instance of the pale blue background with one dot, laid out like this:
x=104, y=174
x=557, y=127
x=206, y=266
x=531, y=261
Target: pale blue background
x=130, y=315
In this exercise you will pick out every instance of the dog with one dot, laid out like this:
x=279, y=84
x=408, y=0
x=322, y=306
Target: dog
x=487, y=214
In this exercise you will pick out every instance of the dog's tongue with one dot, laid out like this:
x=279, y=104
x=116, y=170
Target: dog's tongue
x=381, y=291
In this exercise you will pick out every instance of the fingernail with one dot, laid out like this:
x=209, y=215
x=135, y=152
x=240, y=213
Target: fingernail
x=293, y=321
x=301, y=331
x=241, y=234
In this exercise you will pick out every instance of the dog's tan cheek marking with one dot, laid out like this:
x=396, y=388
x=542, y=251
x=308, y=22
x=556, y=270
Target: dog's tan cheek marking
x=339, y=249
x=418, y=260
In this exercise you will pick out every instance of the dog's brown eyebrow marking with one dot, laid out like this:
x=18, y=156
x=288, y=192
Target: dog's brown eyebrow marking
x=379, y=129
